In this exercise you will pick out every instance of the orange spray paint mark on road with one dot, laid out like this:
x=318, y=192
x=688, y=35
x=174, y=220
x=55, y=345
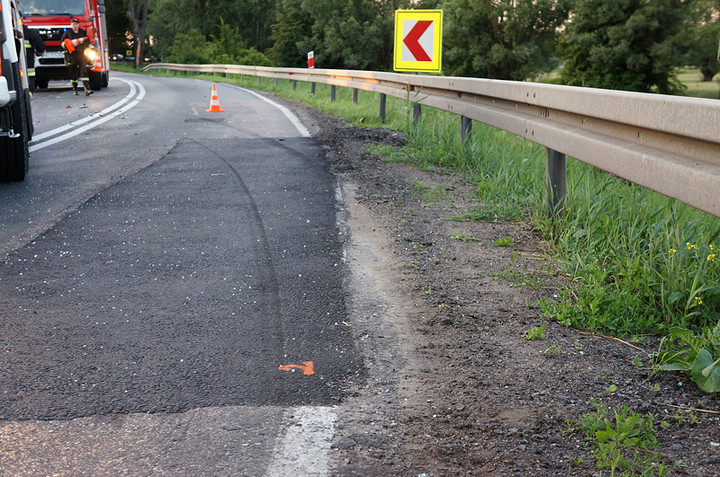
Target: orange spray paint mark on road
x=307, y=367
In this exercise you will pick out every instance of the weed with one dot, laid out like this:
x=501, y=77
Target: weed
x=553, y=351
x=638, y=339
x=622, y=441
x=503, y=241
x=535, y=333
x=419, y=248
x=684, y=415
x=520, y=275
x=428, y=193
x=464, y=238
x=698, y=355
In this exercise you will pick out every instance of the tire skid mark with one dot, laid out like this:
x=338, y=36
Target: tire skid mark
x=264, y=249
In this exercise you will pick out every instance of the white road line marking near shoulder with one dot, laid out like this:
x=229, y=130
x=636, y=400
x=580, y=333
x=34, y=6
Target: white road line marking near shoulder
x=304, y=450
x=293, y=119
x=95, y=120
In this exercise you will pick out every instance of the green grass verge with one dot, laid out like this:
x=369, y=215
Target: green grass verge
x=692, y=79
x=636, y=262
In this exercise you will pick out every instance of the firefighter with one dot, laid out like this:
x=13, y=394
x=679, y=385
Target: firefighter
x=34, y=46
x=74, y=42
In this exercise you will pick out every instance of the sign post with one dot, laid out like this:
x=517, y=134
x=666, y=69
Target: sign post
x=418, y=40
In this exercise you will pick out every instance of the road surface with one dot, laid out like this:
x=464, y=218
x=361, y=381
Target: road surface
x=172, y=288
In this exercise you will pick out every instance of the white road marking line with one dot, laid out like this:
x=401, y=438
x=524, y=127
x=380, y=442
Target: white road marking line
x=293, y=119
x=304, y=450
x=97, y=119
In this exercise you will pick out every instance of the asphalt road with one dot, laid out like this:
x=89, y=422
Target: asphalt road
x=169, y=272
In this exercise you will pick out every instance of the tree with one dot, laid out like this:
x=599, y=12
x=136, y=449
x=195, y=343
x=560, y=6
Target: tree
x=137, y=14
x=118, y=26
x=623, y=44
x=292, y=26
x=357, y=35
x=252, y=18
x=189, y=48
x=228, y=47
x=698, y=39
x=504, y=39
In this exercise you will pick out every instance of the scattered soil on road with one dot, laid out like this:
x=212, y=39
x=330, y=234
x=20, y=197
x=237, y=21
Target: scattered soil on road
x=440, y=309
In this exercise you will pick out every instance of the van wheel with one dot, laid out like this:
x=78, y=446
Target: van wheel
x=95, y=80
x=14, y=153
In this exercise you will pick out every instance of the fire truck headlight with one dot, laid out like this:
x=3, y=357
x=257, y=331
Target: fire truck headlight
x=91, y=54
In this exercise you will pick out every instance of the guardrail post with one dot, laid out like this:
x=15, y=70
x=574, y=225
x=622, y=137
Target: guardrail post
x=312, y=89
x=555, y=179
x=465, y=129
x=277, y=81
x=294, y=84
x=383, y=104
x=417, y=109
x=258, y=79
x=242, y=77
x=355, y=95
x=332, y=92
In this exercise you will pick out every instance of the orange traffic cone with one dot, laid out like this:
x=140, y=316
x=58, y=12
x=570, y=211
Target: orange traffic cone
x=214, y=103
x=98, y=64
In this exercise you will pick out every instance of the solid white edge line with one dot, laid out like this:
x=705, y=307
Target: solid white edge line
x=304, y=450
x=293, y=119
x=98, y=119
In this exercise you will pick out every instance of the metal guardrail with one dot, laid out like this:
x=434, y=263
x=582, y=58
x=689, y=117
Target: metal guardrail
x=669, y=144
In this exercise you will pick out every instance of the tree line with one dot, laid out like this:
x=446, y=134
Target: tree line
x=634, y=45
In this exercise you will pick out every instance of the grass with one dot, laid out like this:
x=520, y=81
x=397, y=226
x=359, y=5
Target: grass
x=640, y=263
x=692, y=79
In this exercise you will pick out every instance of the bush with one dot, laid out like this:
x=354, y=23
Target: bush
x=228, y=48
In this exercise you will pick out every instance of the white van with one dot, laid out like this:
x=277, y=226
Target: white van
x=16, y=126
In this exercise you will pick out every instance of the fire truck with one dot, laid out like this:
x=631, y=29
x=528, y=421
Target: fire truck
x=16, y=126
x=51, y=18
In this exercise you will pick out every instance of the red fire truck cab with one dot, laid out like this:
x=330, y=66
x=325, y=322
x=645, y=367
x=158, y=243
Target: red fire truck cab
x=51, y=18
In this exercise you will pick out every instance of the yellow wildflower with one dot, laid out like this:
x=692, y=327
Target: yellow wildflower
x=711, y=257
x=698, y=300
x=671, y=251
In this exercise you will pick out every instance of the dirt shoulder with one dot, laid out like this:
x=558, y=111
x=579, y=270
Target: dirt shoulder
x=440, y=309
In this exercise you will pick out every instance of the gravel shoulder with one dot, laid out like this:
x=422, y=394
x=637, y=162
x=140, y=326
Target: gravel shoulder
x=440, y=311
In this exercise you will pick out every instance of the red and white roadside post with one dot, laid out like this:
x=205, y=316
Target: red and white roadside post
x=311, y=64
